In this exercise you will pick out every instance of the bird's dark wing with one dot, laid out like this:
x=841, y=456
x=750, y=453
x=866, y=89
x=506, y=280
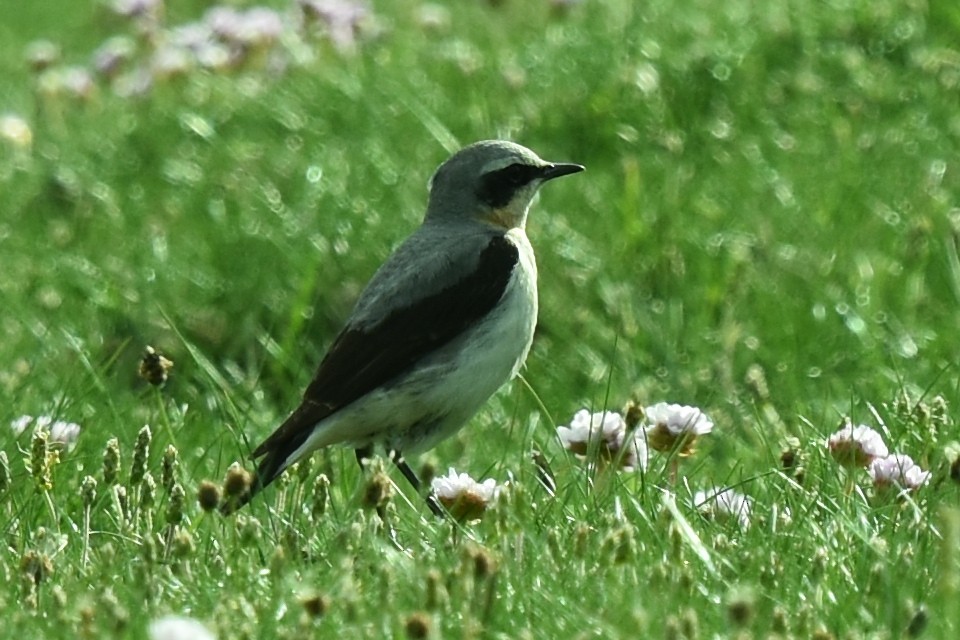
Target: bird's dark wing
x=362, y=359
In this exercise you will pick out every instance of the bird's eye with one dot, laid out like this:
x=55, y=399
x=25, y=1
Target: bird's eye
x=498, y=187
x=516, y=174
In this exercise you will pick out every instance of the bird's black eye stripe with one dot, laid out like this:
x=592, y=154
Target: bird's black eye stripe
x=498, y=187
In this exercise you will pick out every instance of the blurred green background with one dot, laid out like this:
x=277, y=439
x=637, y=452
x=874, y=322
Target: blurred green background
x=768, y=187
x=768, y=225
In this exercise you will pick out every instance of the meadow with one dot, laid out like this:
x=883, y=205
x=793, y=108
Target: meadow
x=767, y=229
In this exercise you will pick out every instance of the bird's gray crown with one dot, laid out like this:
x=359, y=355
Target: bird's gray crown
x=459, y=189
x=480, y=158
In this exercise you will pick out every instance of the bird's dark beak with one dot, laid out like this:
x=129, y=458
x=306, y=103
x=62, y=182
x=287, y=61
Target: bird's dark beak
x=558, y=169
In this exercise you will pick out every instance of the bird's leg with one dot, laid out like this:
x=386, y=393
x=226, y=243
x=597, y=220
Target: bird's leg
x=414, y=481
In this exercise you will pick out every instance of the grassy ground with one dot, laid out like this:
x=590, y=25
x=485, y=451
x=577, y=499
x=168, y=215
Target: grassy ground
x=768, y=229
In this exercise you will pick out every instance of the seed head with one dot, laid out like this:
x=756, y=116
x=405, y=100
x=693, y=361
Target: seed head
x=619, y=544
x=171, y=464
x=740, y=607
x=581, y=539
x=484, y=564
x=111, y=461
x=632, y=415
x=756, y=379
x=35, y=566
x=237, y=481
x=315, y=604
x=822, y=633
x=154, y=368
x=148, y=549
x=175, y=506
x=60, y=599
x=182, y=546
x=208, y=495
x=918, y=623
x=779, y=623
x=672, y=629
x=428, y=471
x=690, y=623
x=88, y=490
x=119, y=617
x=321, y=495
x=41, y=460
x=436, y=592
x=141, y=453
x=249, y=529
x=378, y=490
x=278, y=559
x=790, y=455
x=302, y=469
x=148, y=491
x=418, y=626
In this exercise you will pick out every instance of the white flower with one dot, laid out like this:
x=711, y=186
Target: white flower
x=897, y=470
x=77, y=82
x=724, y=504
x=344, y=19
x=61, y=432
x=253, y=27
x=20, y=425
x=137, y=8
x=605, y=432
x=856, y=446
x=675, y=427
x=169, y=61
x=113, y=54
x=464, y=497
x=16, y=131
x=65, y=433
x=678, y=419
x=178, y=628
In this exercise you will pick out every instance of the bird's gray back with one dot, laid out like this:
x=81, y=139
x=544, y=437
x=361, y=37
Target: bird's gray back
x=436, y=256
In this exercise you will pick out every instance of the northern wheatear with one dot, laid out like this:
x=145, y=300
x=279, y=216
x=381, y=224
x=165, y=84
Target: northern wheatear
x=443, y=324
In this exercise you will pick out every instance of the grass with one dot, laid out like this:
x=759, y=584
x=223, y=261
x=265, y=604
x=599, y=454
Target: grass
x=767, y=229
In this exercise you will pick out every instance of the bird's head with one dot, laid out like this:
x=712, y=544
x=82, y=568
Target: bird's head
x=493, y=181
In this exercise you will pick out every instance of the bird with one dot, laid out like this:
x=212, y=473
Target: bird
x=445, y=322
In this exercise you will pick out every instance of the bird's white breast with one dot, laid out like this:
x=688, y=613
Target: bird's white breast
x=488, y=355
x=501, y=340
